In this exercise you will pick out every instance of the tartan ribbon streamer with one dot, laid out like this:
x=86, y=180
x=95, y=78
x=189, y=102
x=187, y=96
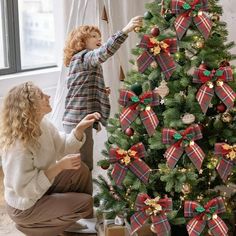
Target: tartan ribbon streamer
x=124, y=160
x=214, y=81
x=207, y=215
x=183, y=142
x=155, y=209
x=188, y=13
x=228, y=159
x=159, y=52
x=135, y=106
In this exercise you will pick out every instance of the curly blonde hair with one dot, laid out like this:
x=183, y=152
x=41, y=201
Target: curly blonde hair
x=19, y=119
x=76, y=41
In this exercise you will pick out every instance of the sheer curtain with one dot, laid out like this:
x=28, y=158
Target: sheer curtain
x=77, y=12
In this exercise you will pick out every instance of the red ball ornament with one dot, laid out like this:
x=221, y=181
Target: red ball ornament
x=155, y=31
x=221, y=107
x=129, y=132
x=201, y=126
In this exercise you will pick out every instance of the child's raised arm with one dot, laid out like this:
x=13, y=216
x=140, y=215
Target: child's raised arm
x=109, y=48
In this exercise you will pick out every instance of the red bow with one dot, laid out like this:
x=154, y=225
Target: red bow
x=135, y=106
x=205, y=215
x=157, y=51
x=156, y=209
x=193, y=12
x=181, y=142
x=214, y=81
x=124, y=160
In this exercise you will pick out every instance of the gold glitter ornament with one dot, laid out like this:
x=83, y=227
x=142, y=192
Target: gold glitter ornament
x=226, y=117
x=186, y=188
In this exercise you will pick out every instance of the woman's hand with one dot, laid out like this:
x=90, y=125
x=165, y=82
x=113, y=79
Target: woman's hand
x=70, y=161
x=137, y=21
x=86, y=122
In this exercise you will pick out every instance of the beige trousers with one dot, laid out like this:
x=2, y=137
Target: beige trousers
x=66, y=201
x=86, y=150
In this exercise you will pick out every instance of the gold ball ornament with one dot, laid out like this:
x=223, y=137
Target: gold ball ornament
x=226, y=117
x=215, y=17
x=196, y=38
x=199, y=44
x=137, y=29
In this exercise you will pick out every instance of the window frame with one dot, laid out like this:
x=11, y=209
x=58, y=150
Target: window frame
x=14, y=53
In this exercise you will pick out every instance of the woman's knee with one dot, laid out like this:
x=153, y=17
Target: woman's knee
x=88, y=207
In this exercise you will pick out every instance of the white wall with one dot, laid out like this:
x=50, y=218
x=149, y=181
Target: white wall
x=229, y=16
x=45, y=79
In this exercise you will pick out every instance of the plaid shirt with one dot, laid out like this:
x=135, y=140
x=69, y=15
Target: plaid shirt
x=85, y=82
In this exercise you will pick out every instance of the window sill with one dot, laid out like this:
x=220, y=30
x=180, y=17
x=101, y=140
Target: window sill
x=31, y=73
x=46, y=79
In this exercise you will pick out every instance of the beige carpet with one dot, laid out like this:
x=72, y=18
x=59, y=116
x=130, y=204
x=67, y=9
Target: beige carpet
x=6, y=225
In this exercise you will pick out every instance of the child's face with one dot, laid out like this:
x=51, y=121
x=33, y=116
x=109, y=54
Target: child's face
x=94, y=41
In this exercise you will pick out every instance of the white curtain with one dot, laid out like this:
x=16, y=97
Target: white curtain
x=119, y=13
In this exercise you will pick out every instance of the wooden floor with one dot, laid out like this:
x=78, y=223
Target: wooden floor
x=15, y=232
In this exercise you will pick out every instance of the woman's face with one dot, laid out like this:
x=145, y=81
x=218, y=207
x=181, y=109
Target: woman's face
x=94, y=41
x=44, y=105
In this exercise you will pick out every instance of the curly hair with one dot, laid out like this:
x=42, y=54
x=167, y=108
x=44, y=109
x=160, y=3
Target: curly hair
x=19, y=119
x=76, y=41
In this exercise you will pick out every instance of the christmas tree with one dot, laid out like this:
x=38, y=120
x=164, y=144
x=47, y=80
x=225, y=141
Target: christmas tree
x=174, y=140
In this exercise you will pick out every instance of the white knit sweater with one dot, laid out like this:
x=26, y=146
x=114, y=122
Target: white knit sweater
x=24, y=178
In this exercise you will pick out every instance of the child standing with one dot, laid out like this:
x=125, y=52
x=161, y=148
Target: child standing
x=83, y=54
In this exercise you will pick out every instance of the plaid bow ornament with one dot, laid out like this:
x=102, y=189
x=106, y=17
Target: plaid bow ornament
x=191, y=12
x=214, y=81
x=155, y=209
x=207, y=215
x=135, y=106
x=158, y=51
x=183, y=142
x=124, y=160
x=228, y=159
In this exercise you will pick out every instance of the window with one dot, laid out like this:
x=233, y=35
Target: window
x=27, y=35
x=4, y=60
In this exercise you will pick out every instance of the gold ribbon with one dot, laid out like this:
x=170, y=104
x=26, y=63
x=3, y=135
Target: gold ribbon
x=126, y=156
x=158, y=46
x=154, y=207
x=232, y=151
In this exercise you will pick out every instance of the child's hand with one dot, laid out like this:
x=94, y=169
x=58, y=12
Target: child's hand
x=86, y=122
x=137, y=21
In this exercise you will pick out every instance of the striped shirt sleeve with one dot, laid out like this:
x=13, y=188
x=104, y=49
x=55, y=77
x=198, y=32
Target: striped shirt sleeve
x=108, y=49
